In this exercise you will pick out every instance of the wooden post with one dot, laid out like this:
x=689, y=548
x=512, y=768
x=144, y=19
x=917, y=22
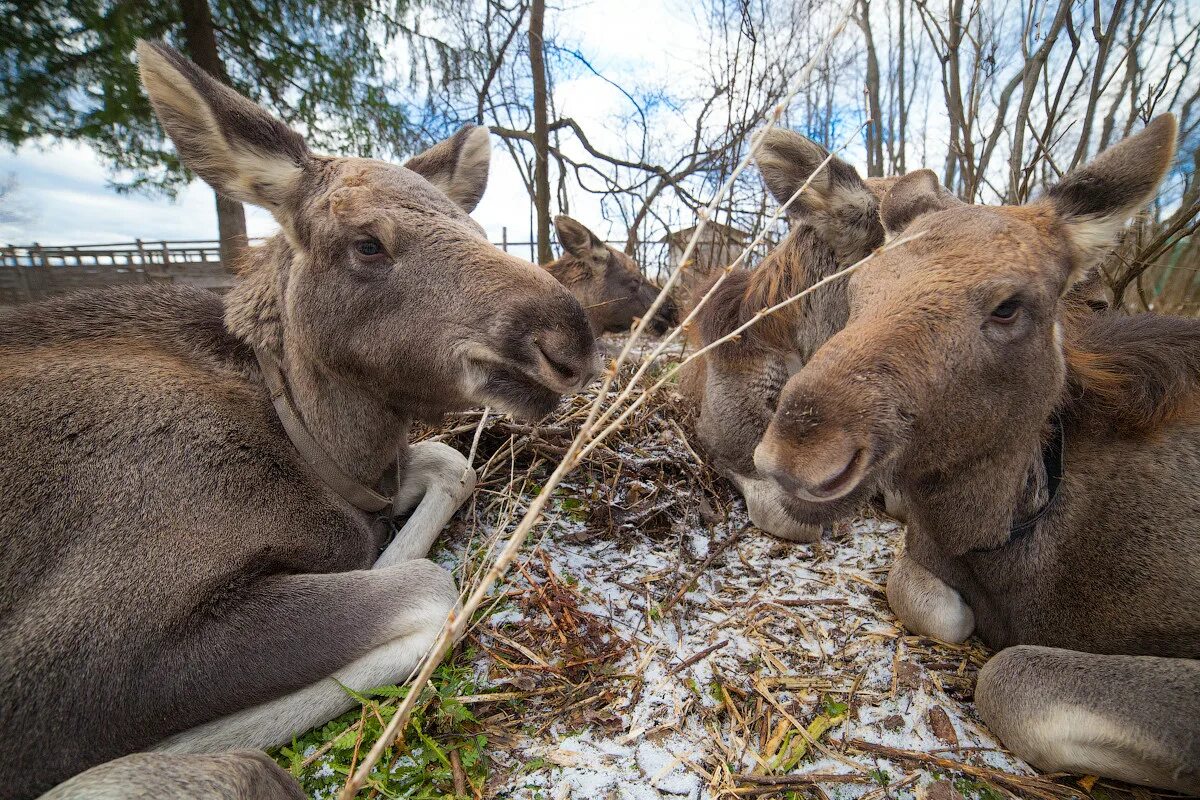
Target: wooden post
x=26, y=285
x=504, y=238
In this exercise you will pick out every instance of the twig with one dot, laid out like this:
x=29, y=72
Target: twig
x=712, y=556
x=1037, y=786
x=803, y=780
x=693, y=659
x=475, y=443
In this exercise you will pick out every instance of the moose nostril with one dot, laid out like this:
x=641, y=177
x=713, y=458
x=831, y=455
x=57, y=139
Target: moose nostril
x=564, y=370
x=845, y=475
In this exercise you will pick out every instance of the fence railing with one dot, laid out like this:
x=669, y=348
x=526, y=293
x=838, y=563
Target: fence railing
x=32, y=272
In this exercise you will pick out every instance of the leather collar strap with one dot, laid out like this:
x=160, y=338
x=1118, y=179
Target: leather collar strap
x=1052, y=462
x=310, y=450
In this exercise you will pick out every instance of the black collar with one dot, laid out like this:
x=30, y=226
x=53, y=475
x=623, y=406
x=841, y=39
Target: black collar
x=1052, y=462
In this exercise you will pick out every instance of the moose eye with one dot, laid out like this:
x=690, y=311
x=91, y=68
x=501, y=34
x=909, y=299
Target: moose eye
x=369, y=249
x=1006, y=313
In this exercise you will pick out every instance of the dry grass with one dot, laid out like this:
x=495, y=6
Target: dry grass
x=648, y=642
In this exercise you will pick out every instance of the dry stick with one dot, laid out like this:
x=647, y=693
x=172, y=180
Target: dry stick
x=721, y=548
x=456, y=622
x=800, y=80
x=475, y=443
x=758, y=316
x=725, y=273
x=1031, y=784
x=699, y=656
x=801, y=780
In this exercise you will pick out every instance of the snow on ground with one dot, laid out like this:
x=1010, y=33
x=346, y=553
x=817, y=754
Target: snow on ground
x=772, y=635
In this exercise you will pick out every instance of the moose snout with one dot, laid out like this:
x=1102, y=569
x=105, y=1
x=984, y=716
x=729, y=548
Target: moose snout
x=557, y=347
x=819, y=468
x=818, y=447
x=564, y=360
x=665, y=318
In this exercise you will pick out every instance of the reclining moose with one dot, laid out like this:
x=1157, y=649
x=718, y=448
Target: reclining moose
x=195, y=535
x=605, y=281
x=1048, y=458
x=834, y=223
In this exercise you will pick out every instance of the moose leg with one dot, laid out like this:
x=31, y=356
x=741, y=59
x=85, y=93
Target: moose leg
x=766, y=505
x=244, y=775
x=362, y=629
x=926, y=604
x=442, y=479
x=1133, y=718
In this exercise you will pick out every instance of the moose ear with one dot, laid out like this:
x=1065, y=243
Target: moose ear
x=912, y=195
x=236, y=147
x=578, y=240
x=786, y=160
x=1096, y=200
x=458, y=165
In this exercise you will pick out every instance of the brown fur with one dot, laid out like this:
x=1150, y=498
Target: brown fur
x=1140, y=374
x=833, y=223
x=963, y=350
x=607, y=283
x=169, y=564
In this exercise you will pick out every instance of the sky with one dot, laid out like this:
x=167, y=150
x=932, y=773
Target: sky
x=63, y=192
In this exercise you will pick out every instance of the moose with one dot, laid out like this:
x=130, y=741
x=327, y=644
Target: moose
x=608, y=283
x=833, y=223
x=196, y=533
x=1048, y=459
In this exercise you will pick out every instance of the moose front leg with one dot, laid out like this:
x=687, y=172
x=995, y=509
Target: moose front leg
x=1134, y=718
x=244, y=775
x=926, y=604
x=273, y=664
x=440, y=478
x=767, y=507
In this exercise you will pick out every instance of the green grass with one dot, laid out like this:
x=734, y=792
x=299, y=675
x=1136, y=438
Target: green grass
x=421, y=767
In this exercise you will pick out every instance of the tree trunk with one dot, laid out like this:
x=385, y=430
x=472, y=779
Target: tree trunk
x=875, y=129
x=200, y=41
x=541, y=134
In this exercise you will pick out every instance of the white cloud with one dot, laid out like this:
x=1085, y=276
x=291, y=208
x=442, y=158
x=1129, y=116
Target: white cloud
x=63, y=187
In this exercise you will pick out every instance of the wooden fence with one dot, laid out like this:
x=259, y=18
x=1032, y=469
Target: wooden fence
x=36, y=271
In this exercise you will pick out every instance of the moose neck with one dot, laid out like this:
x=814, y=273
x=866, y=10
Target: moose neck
x=357, y=427
x=971, y=504
x=801, y=260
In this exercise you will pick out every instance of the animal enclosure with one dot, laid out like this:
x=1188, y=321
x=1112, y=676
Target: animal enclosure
x=34, y=272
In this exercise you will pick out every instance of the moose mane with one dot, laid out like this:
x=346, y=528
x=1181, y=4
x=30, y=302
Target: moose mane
x=800, y=259
x=1134, y=373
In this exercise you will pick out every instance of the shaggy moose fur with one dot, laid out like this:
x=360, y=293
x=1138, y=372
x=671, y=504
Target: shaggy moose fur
x=960, y=365
x=172, y=573
x=606, y=282
x=834, y=223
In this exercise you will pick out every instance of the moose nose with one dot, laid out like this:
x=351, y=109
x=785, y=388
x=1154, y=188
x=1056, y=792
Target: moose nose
x=557, y=342
x=566, y=357
x=823, y=467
